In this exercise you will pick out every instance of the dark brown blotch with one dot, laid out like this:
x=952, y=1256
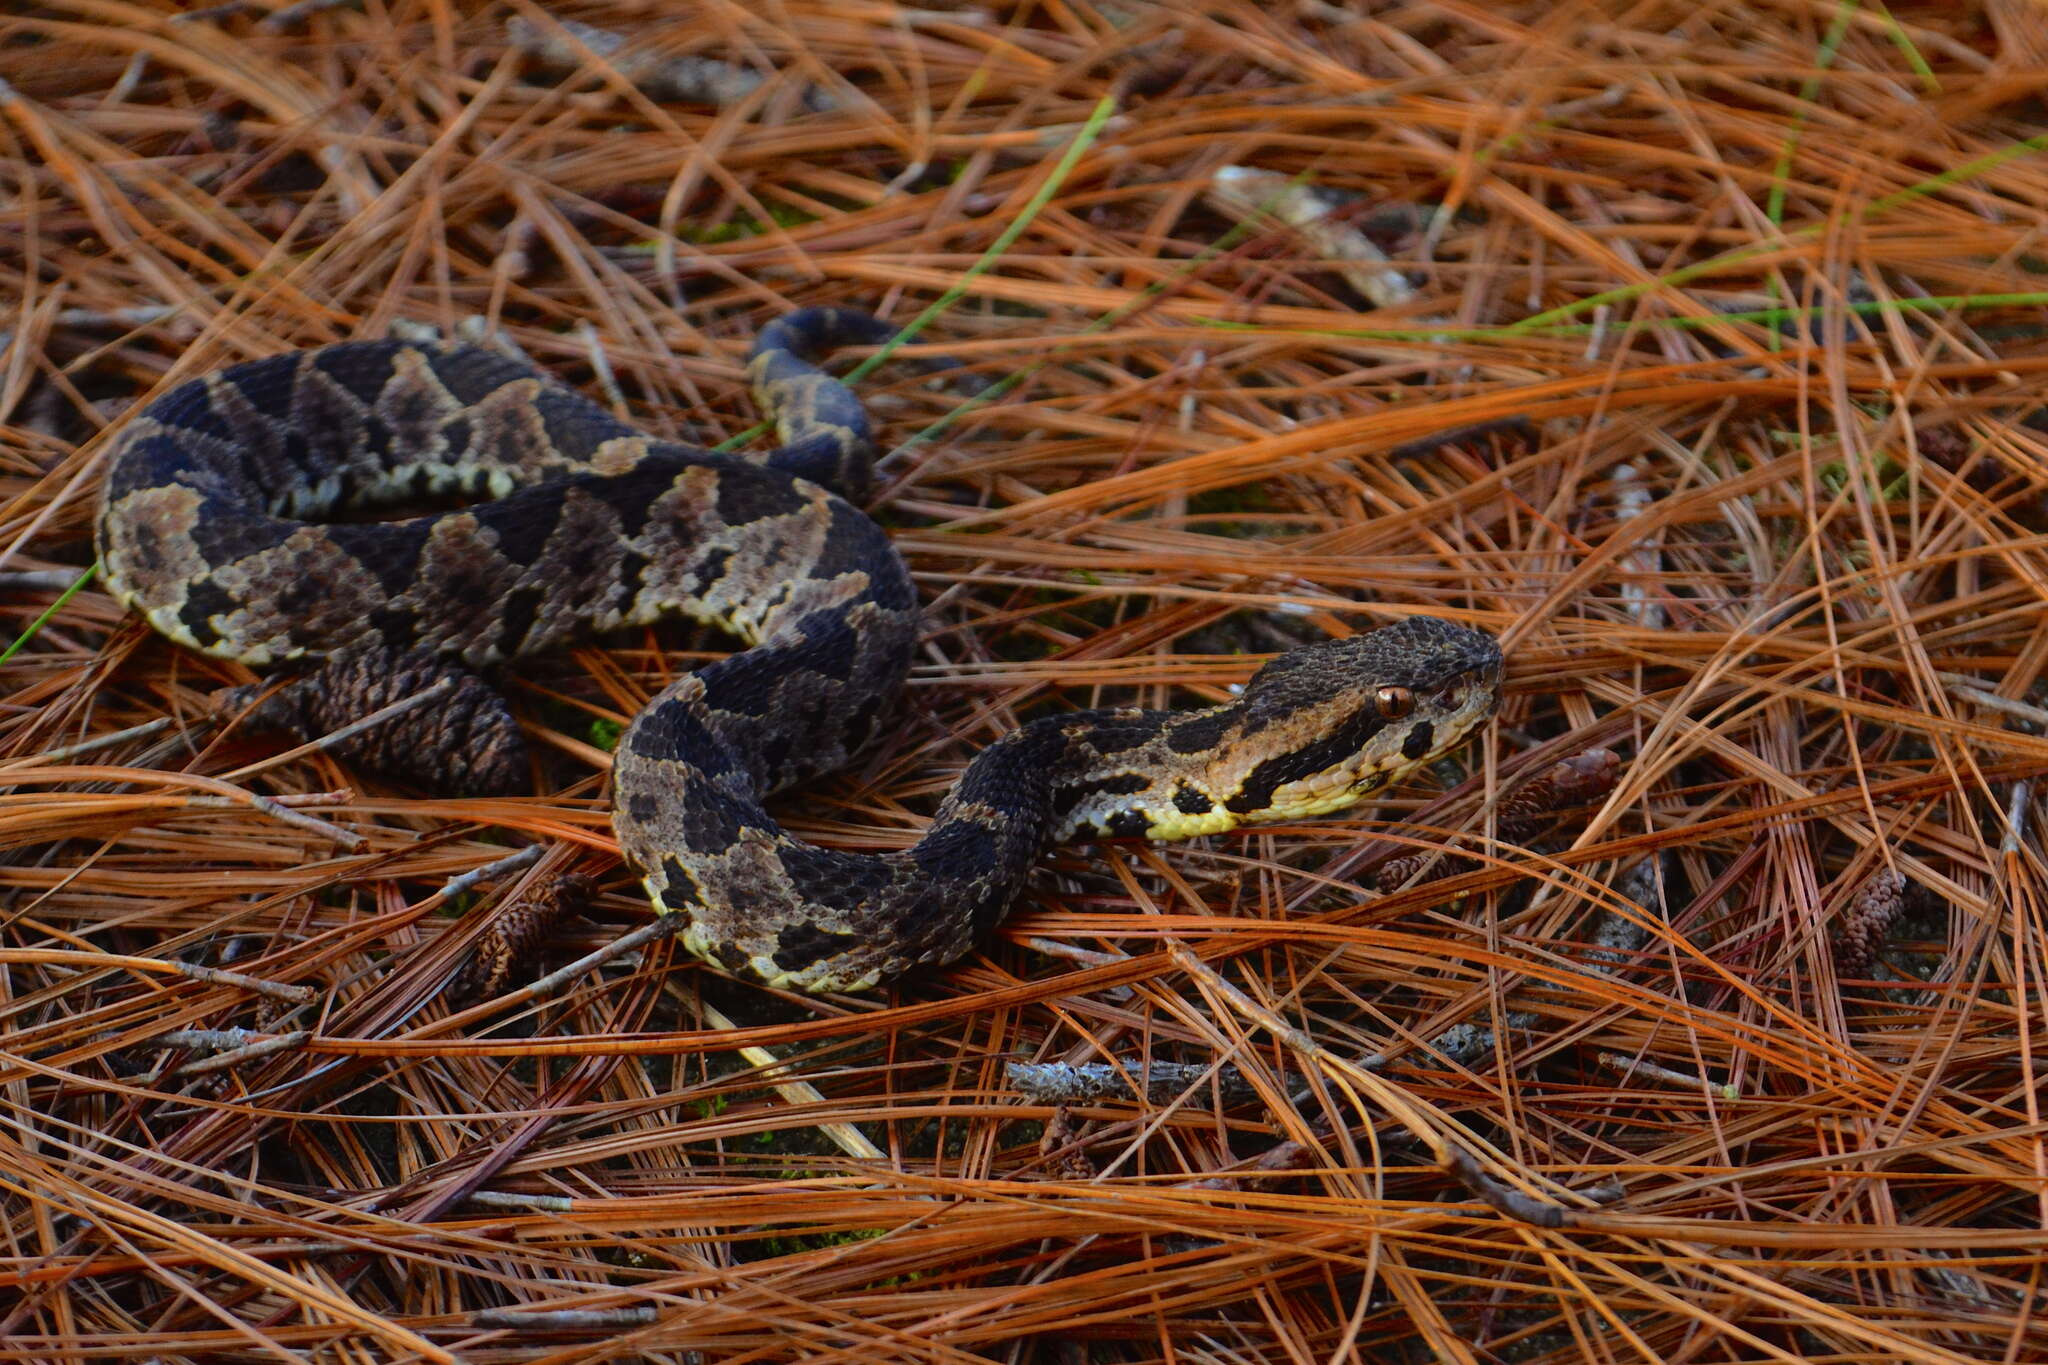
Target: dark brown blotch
x=1419, y=740
x=802, y=945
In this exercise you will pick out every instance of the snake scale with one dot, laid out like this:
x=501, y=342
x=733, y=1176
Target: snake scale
x=219, y=523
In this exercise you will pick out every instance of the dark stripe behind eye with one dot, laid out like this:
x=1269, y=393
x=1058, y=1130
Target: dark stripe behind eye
x=1274, y=773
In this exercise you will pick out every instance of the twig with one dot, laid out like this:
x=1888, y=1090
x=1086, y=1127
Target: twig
x=659, y=927
x=498, y=867
x=1080, y=1082
x=1088, y=957
x=1637, y=1066
x=1504, y=1198
x=277, y=808
x=1454, y=436
x=1642, y=565
x=288, y=800
x=1460, y=1044
x=215, y=976
x=99, y=962
x=140, y=316
x=1973, y=688
x=283, y=1042
x=211, y=1038
x=2016, y=816
x=86, y=746
x=495, y=1199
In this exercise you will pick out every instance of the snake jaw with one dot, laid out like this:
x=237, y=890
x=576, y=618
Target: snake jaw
x=1170, y=825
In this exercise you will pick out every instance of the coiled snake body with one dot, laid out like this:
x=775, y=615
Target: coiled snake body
x=213, y=525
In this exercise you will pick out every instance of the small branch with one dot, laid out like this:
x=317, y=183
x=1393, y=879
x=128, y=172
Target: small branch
x=1455, y=436
x=1643, y=565
x=99, y=962
x=142, y=315
x=659, y=927
x=514, y=260
x=498, y=867
x=283, y=1042
x=290, y=799
x=1504, y=1198
x=1282, y=1157
x=1161, y=1082
x=280, y=808
x=86, y=746
x=1636, y=1066
x=208, y=1038
x=2016, y=817
x=1459, y=1044
x=1087, y=957
x=215, y=976
x=1973, y=688
x=1320, y=220
x=544, y=1203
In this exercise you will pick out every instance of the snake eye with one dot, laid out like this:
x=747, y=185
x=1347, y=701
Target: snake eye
x=1394, y=702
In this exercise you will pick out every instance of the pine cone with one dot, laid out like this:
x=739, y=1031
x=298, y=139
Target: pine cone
x=1866, y=921
x=516, y=935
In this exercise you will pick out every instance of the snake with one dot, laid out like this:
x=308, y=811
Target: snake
x=259, y=513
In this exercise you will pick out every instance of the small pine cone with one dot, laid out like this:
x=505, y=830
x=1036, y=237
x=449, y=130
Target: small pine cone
x=464, y=742
x=1866, y=921
x=517, y=933
x=1394, y=875
x=1573, y=781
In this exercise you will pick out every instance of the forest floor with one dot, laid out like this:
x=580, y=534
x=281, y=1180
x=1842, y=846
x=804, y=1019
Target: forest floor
x=1721, y=1043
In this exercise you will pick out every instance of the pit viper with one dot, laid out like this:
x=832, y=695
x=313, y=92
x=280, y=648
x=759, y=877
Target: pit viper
x=237, y=517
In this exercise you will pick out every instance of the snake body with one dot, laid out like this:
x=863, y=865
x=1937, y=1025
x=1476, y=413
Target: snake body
x=217, y=524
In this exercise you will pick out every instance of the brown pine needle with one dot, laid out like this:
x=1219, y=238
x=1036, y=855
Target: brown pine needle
x=1695, y=350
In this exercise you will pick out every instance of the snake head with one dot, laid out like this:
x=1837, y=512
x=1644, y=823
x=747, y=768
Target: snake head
x=1321, y=726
